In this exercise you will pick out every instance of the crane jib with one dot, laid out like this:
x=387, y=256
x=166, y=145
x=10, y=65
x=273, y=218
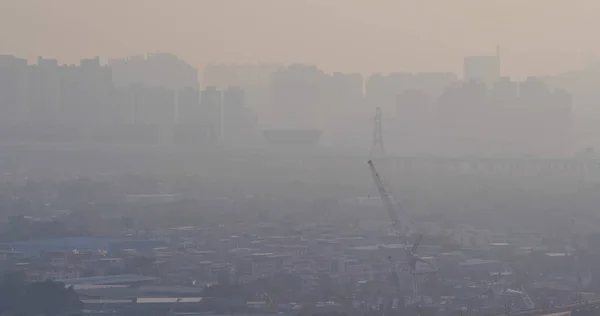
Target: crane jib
x=387, y=201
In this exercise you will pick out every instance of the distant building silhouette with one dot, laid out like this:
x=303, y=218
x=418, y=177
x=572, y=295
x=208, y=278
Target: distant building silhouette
x=14, y=89
x=190, y=119
x=382, y=90
x=233, y=113
x=336, y=100
x=188, y=107
x=346, y=92
x=211, y=102
x=154, y=106
x=157, y=98
x=549, y=118
x=343, y=109
x=124, y=103
x=222, y=76
x=508, y=119
x=583, y=84
x=461, y=118
x=254, y=79
x=413, y=125
x=86, y=94
x=482, y=68
x=240, y=126
x=299, y=91
x=155, y=69
x=45, y=98
x=406, y=125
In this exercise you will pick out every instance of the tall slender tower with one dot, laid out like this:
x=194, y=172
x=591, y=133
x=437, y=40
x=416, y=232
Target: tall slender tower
x=377, y=145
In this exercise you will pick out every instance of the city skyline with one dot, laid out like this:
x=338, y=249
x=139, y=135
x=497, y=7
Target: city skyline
x=349, y=36
x=299, y=157
x=156, y=98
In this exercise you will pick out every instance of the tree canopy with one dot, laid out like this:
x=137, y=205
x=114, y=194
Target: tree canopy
x=18, y=297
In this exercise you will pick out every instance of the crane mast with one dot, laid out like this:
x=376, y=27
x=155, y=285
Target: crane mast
x=389, y=205
x=402, y=230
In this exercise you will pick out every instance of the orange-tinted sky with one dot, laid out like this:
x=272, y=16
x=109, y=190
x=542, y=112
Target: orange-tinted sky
x=535, y=36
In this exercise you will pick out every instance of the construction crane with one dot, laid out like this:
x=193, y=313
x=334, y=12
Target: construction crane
x=271, y=307
x=574, y=250
x=529, y=305
x=508, y=270
x=402, y=230
x=526, y=299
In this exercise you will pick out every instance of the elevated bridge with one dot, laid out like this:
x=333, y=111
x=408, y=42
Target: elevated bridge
x=497, y=165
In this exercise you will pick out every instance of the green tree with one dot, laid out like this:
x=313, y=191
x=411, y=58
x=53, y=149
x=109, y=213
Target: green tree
x=12, y=291
x=50, y=298
x=17, y=297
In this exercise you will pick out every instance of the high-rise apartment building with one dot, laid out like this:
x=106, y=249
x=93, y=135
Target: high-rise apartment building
x=412, y=126
x=547, y=118
x=87, y=94
x=14, y=85
x=482, y=68
x=299, y=92
x=188, y=107
x=254, y=79
x=345, y=92
x=45, y=91
x=154, y=106
x=124, y=103
x=514, y=119
x=211, y=102
x=155, y=69
x=382, y=90
x=233, y=113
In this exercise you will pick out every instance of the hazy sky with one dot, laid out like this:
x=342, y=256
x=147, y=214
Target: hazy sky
x=535, y=36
